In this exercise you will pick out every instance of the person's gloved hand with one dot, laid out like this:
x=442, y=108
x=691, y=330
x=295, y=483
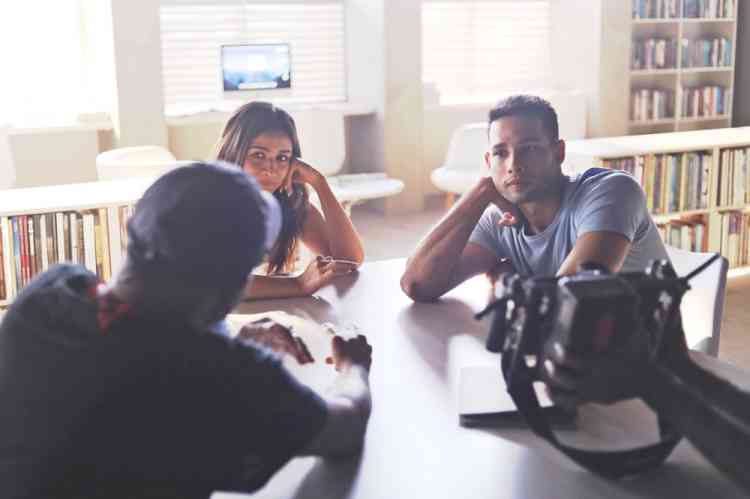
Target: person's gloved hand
x=276, y=337
x=573, y=379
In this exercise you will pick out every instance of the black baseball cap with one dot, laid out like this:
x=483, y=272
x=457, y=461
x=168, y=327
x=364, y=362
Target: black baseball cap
x=207, y=223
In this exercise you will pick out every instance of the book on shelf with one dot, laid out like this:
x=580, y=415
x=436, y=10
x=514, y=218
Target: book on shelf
x=671, y=182
x=656, y=9
x=729, y=235
x=651, y=104
x=706, y=52
x=30, y=244
x=733, y=184
x=708, y=9
x=654, y=53
x=687, y=233
x=704, y=101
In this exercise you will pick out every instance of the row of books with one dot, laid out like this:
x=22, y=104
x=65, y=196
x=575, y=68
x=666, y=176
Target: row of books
x=673, y=9
x=654, y=53
x=690, y=234
x=656, y=9
x=661, y=53
x=681, y=182
x=672, y=182
x=30, y=244
x=727, y=233
x=676, y=182
x=733, y=185
x=711, y=9
x=706, y=52
x=703, y=101
x=651, y=104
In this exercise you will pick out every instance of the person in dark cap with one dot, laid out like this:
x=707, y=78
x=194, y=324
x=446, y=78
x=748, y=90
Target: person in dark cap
x=125, y=390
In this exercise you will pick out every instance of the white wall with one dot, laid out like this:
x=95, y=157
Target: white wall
x=54, y=157
x=138, y=114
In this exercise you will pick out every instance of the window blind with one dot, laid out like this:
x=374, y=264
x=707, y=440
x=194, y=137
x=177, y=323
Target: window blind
x=478, y=49
x=192, y=32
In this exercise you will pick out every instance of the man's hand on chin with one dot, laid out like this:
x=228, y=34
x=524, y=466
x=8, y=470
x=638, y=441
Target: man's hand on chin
x=489, y=194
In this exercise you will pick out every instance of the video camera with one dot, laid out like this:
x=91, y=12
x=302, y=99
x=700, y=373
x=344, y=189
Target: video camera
x=592, y=311
x=629, y=315
x=635, y=314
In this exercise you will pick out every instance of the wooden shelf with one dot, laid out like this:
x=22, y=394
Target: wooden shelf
x=665, y=121
x=666, y=217
x=612, y=109
x=707, y=69
x=685, y=20
x=700, y=119
x=655, y=20
x=662, y=143
x=700, y=20
x=582, y=154
x=72, y=197
x=654, y=72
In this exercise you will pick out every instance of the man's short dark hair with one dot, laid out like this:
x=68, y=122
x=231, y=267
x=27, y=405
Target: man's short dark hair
x=527, y=105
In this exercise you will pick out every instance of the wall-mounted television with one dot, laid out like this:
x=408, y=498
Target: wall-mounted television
x=256, y=67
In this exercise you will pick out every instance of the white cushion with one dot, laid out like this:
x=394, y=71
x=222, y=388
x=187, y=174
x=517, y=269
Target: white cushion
x=364, y=186
x=139, y=161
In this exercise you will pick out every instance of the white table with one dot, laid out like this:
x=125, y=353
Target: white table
x=415, y=447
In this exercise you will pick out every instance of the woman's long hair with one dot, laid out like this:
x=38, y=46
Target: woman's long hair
x=247, y=123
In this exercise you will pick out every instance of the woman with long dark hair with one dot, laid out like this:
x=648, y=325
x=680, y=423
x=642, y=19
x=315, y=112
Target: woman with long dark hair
x=262, y=139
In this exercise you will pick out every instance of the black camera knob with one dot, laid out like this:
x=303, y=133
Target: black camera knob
x=661, y=269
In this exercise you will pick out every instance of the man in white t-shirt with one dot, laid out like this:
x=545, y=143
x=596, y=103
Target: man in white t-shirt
x=527, y=217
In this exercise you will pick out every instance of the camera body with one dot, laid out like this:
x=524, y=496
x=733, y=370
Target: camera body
x=592, y=311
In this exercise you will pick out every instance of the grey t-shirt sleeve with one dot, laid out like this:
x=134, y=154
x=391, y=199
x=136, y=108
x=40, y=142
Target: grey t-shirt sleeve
x=487, y=233
x=613, y=203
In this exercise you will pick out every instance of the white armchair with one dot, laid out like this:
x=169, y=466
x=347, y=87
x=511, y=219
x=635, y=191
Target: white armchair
x=329, y=157
x=464, y=162
x=139, y=161
x=703, y=305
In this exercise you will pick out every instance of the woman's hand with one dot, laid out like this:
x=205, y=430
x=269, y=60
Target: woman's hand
x=276, y=337
x=322, y=271
x=301, y=173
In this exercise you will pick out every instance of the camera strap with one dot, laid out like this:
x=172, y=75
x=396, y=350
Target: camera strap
x=611, y=464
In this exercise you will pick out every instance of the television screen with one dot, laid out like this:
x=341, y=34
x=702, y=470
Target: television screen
x=256, y=67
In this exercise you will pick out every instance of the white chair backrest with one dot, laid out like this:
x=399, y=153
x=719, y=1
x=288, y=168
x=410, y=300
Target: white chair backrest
x=467, y=147
x=703, y=305
x=322, y=139
x=139, y=161
x=7, y=166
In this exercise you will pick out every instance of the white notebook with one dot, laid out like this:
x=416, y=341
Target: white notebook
x=483, y=400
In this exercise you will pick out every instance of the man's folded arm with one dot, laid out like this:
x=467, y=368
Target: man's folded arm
x=605, y=248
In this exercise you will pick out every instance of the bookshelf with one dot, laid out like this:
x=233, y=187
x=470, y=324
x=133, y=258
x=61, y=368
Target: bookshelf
x=697, y=184
x=666, y=66
x=81, y=223
x=85, y=223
